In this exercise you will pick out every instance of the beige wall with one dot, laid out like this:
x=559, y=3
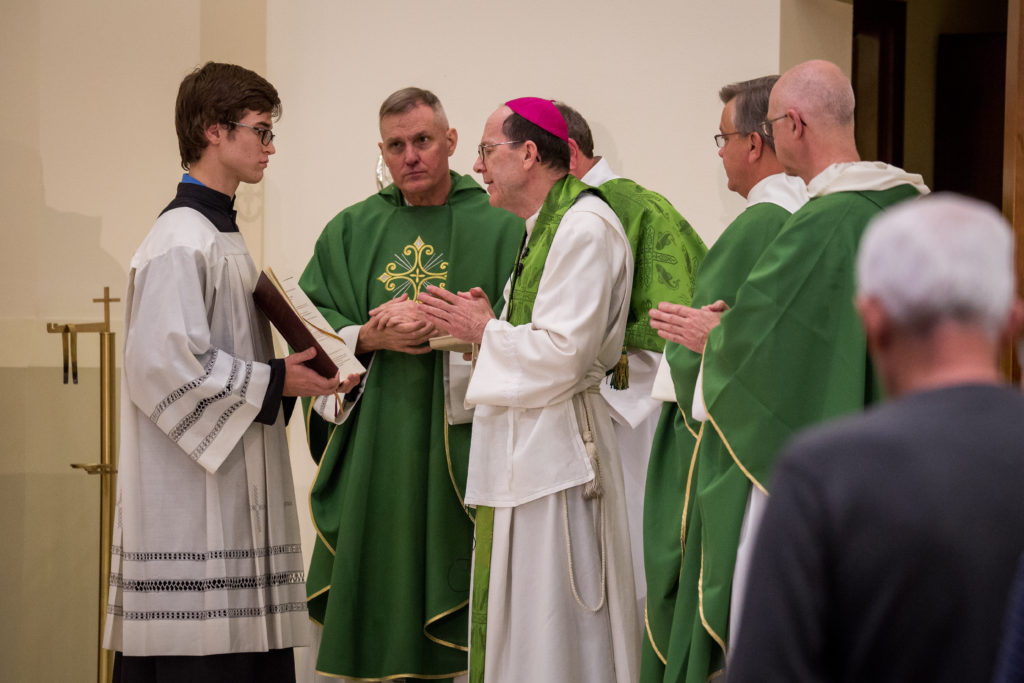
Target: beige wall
x=816, y=29
x=647, y=82
x=84, y=127
x=91, y=158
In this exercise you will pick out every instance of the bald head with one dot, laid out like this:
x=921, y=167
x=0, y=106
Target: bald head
x=820, y=91
x=811, y=110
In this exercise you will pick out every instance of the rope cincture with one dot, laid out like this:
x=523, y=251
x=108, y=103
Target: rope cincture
x=568, y=552
x=591, y=490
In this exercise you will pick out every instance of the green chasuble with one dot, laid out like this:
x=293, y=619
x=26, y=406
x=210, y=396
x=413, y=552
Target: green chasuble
x=669, y=473
x=666, y=250
x=788, y=354
x=389, y=578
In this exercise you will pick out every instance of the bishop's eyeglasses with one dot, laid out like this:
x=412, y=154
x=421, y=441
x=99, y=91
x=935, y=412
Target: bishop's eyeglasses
x=482, y=148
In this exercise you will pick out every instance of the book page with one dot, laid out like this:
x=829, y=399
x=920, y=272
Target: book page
x=447, y=342
x=339, y=352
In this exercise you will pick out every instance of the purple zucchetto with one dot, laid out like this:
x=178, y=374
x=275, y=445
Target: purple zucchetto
x=543, y=113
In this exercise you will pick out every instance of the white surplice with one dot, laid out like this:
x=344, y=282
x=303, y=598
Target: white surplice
x=206, y=552
x=535, y=388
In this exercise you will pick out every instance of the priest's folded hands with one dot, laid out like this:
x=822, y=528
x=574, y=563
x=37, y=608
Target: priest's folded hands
x=398, y=311
x=463, y=315
x=397, y=325
x=685, y=325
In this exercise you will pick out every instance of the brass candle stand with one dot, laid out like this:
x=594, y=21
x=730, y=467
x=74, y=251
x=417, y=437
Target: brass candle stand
x=107, y=467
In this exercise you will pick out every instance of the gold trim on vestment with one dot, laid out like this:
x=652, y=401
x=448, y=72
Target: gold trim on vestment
x=318, y=593
x=715, y=675
x=686, y=496
x=682, y=530
x=728, y=447
x=312, y=486
x=746, y=472
x=451, y=473
x=425, y=677
x=465, y=603
x=442, y=615
x=700, y=605
x=682, y=535
x=685, y=422
x=650, y=637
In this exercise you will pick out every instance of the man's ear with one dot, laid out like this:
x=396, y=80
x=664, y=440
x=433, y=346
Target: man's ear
x=530, y=154
x=755, y=146
x=574, y=157
x=452, y=138
x=875, y=321
x=215, y=133
x=794, y=119
x=1014, y=321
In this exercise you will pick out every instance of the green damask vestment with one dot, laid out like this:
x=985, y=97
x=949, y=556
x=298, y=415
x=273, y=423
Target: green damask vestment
x=667, y=253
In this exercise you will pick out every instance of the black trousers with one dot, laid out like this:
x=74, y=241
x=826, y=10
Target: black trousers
x=276, y=666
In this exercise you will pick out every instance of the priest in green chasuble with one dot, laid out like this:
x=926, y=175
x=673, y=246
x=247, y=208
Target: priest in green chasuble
x=389, y=578
x=788, y=353
x=752, y=171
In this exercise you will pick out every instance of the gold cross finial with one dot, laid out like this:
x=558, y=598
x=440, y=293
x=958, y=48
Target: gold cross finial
x=106, y=301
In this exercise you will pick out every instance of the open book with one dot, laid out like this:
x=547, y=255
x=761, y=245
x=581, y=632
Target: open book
x=302, y=325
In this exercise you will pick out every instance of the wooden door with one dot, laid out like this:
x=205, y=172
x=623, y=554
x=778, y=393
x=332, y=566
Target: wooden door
x=1013, y=156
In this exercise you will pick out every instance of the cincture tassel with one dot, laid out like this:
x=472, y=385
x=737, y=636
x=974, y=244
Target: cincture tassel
x=620, y=373
x=593, y=488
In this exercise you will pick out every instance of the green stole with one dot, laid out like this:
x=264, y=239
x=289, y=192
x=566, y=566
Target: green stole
x=530, y=266
x=522, y=295
x=667, y=253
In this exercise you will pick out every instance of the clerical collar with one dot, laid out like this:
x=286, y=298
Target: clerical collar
x=216, y=207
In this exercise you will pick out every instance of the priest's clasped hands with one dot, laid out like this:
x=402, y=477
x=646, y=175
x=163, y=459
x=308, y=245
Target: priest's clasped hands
x=463, y=315
x=685, y=325
x=407, y=326
x=397, y=325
